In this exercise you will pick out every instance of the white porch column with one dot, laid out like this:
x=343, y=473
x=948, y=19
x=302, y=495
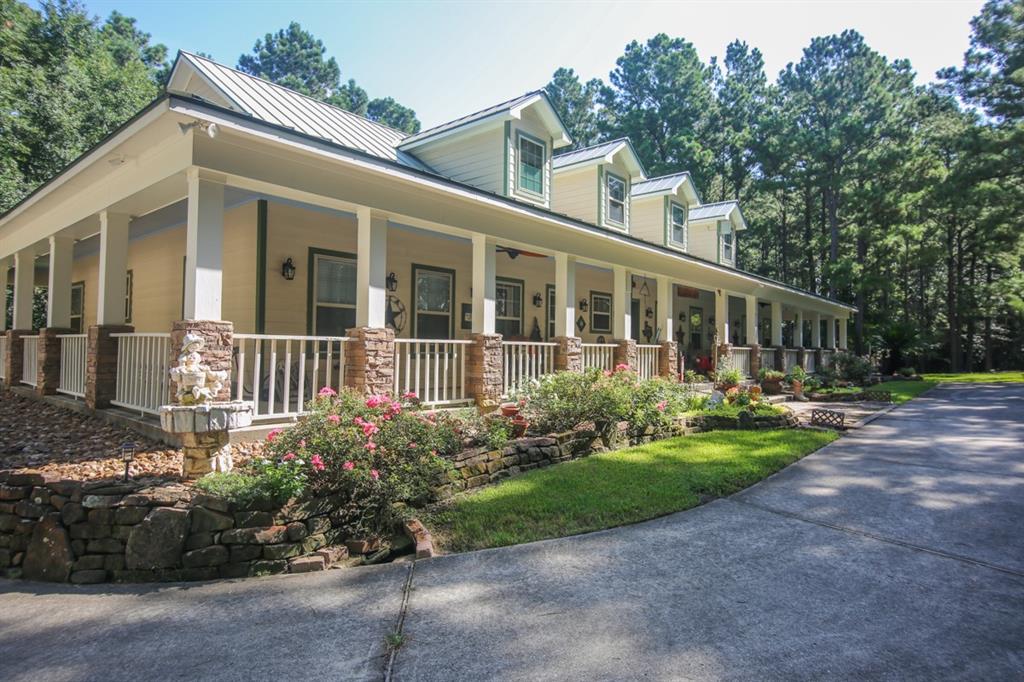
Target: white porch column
x=843, y=322
x=665, y=315
x=204, y=249
x=24, y=283
x=798, y=329
x=371, y=269
x=565, y=295
x=58, y=293
x=622, y=303
x=722, y=316
x=484, y=288
x=751, y=330
x=830, y=332
x=776, y=323
x=114, y=268
x=816, y=330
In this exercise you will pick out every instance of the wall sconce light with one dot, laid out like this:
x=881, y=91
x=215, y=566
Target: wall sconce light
x=127, y=456
x=391, y=282
x=584, y=305
x=649, y=313
x=538, y=300
x=288, y=270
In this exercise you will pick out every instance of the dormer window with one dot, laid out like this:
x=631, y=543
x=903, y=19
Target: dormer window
x=531, y=165
x=728, y=251
x=616, y=200
x=677, y=224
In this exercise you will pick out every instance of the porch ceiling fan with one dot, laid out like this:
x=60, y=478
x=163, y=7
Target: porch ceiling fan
x=515, y=253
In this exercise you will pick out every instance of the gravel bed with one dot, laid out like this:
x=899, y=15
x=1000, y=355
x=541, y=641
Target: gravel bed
x=40, y=437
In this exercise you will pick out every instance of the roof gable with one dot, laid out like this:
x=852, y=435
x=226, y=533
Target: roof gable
x=601, y=153
x=666, y=185
x=512, y=109
x=721, y=210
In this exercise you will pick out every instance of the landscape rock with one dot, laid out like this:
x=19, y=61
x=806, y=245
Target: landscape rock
x=157, y=542
x=49, y=557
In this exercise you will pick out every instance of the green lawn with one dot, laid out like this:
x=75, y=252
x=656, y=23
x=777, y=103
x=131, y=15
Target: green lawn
x=615, y=488
x=978, y=377
x=902, y=391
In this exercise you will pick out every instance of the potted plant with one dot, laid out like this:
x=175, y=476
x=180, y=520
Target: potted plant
x=726, y=376
x=771, y=381
x=797, y=376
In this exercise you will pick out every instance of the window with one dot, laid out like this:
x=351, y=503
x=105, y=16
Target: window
x=600, y=312
x=129, y=284
x=677, y=224
x=432, y=293
x=616, y=187
x=334, y=295
x=531, y=165
x=77, y=307
x=508, y=307
x=727, y=240
x=551, y=311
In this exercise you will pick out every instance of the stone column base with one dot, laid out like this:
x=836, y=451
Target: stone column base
x=668, y=360
x=48, y=363
x=568, y=354
x=723, y=349
x=15, y=360
x=817, y=359
x=780, y=359
x=485, y=372
x=205, y=453
x=625, y=353
x=370, y=360
x=101, y=364
x=755, y=360
x=218, y=335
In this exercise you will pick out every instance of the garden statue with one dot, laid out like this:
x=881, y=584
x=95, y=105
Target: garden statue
x=197, y=383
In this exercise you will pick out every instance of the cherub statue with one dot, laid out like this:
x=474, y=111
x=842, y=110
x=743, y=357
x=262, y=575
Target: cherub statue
x=197, y=383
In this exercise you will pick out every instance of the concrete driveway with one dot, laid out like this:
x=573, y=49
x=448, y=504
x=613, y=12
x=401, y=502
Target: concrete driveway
x=896, y=552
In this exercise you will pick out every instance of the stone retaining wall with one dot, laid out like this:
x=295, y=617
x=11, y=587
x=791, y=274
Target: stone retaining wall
x=67, y=531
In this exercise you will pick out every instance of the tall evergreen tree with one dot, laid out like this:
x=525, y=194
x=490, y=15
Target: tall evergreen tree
x=576, y=103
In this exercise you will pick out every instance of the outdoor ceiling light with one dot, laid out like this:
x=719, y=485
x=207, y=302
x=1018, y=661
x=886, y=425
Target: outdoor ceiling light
x=211, y=129
x=288, y=270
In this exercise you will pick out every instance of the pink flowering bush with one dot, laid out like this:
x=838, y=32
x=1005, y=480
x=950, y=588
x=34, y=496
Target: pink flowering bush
x=371, y=452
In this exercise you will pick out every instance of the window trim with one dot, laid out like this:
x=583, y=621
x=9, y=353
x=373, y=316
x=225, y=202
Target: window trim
x=520, y=137
x=451, y=300
x=721, y=243
x=670, y=224
x=522, y=301
x=311, y=303
x=608, y=177
x=611, y=312
x=81, y=315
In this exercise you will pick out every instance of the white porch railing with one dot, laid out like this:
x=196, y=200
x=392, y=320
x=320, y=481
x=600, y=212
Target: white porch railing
x=3, y=355
x=433, y=369
x=647, y=360
x=741, y=359
x=73, y=353
x=809, y=364
x=600, y=355
x=280, y=374
x=792, y=359
x=526, y=360
x=30, y=360
x=768, y=358
x=143, y=366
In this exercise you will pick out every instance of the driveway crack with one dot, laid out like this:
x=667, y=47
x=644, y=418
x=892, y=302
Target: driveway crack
x=395, y=637
x=881, y=538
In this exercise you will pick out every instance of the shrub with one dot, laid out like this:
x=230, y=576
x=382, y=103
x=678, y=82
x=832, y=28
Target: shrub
x=261, y=481
x=656, y=402
x=564, y=400
x=797, y=373
x=691, y=377
x=766, y=374
x=908, y=371
x=851, y=367
x=725, y=373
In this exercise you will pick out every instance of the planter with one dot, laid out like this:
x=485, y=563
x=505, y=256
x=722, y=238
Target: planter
x=798, y=388
x=509, y=409
x=519, y=426
x=772, y=386
x=723, y=387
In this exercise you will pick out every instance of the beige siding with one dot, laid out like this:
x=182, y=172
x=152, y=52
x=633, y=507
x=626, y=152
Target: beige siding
x=703, y=240
x=475, y=159
x=575, y=194
x=157, y=261
x=648, y=219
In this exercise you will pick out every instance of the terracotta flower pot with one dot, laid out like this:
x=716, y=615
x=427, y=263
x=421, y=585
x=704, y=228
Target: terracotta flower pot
x=519, y=426
x=798, y=388
x=509, y=409
x=771, y=386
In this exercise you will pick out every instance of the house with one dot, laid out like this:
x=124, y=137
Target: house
x=313, y=247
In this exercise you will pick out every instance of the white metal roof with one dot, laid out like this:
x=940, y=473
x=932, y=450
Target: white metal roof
x=598, y=152
x=665, y=184
x=278, y=105
x=720, y=210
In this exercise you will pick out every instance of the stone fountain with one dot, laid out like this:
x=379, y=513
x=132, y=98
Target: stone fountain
x=202, y=423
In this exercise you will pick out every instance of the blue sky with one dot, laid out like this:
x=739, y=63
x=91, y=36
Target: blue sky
x=446, y=59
